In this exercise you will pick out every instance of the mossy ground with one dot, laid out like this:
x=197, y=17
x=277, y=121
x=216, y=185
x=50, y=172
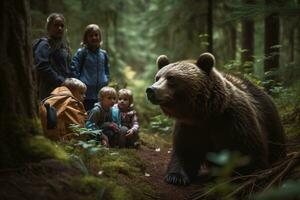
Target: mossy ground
x=114, y=173
x=68, y=171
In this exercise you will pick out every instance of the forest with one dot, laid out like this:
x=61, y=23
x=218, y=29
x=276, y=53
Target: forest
x=254, y=40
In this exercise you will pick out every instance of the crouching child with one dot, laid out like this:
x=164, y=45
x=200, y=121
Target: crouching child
x=126, y=117
x=62, y=108
x=100, y=117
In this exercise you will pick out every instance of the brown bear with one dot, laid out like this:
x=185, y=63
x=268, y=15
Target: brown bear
x=214, y=112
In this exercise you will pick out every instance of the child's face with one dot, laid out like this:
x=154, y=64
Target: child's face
x=123, y=102
x=93, y=39
x=79, y=94
x=108, y=101
x=57, y=28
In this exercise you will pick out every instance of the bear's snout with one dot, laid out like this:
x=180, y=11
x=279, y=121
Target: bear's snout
x=151, y=94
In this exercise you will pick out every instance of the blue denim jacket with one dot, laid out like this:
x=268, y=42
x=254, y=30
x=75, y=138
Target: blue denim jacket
x=91, y=68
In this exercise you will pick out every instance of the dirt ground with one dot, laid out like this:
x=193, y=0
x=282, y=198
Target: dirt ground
x=156, y=164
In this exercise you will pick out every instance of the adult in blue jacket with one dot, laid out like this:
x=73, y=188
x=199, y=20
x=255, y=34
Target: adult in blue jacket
x=52, y=56
x=90, y=63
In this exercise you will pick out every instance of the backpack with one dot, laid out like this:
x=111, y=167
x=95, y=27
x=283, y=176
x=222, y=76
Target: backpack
x=36, y=43
x=51, y=113
x=51, y=116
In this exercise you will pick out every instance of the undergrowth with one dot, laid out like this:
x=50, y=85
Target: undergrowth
x=110, y=173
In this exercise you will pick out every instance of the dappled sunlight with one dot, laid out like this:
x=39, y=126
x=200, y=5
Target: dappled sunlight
x=129, y=73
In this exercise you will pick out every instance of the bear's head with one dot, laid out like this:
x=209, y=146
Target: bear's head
x=182, y=89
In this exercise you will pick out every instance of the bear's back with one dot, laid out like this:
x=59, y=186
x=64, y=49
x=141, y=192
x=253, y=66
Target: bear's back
x=268, y=116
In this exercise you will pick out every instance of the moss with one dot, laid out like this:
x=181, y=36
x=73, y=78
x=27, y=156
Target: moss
x=121, y=161
x=122, y=177
x=87, y=184
x=154, y=141
x=120, y=193
x=26, y=126
x=40, y=147
x=101, y=188
x=114, y=168
x=14, y=146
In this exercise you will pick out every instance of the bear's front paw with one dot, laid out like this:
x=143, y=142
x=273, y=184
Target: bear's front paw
x=177, y=178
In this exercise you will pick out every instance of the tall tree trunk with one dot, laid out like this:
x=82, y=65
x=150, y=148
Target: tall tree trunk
x=247, y=41
x=297, y=43
x=272, y=33
x=233, y=38
x=43, y=6
x=291, y=44
x=210, y=25
x=18, y=106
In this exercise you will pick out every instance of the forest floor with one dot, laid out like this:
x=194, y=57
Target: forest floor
x=156, y=161
x=54, y=179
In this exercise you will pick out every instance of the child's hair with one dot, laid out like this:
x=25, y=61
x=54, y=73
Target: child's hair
x=127, y=93
x=105, y=91
x=51, y=18
x=90, y=28
x=74, y=84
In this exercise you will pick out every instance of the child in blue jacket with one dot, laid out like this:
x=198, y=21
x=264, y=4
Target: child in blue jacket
x=90, y=64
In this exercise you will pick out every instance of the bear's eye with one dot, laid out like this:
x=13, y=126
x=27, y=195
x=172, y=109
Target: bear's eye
x=171, y=80
x=157, y=78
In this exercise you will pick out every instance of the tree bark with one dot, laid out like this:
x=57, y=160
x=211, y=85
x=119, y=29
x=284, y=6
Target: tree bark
x=272, y=33
x=18, y=104
x=247, y=41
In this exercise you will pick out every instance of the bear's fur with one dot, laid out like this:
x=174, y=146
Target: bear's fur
x=213, y=112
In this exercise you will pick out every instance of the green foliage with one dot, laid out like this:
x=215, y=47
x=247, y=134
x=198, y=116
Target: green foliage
x=289, y=190
x=84, y=147
x=288, y=103
x=225, y=163
x=221, y=187
x=161, y=124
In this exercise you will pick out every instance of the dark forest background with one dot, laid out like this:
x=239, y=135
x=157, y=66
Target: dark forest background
x=256, y=39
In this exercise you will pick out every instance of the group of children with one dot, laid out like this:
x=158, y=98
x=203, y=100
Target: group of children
x=113, y=115
x=118, y=121
x=68, y=87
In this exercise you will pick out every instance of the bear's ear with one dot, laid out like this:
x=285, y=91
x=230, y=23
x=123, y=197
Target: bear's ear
x=206, y=62
x=162, y=61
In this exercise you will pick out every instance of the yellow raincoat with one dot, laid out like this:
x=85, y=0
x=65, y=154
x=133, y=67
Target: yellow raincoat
x=69, y=111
